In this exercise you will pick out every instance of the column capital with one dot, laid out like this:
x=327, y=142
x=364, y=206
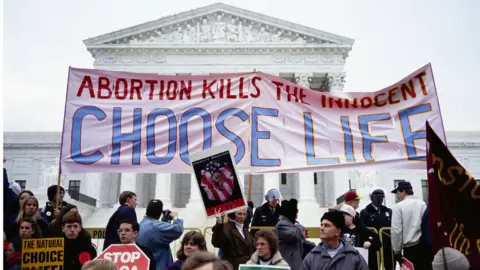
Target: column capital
x=303, y=79
x=334, y=82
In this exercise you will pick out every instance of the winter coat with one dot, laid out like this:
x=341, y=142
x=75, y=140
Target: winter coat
x=10, y=202
x=290, y=241
x=276, y=259
x=149, y=254
x=177, y=265
x=124, y=212
x=157, y=235
x=346, y=258
x=47, y=212
x=264, y=217
x=78, y=252
x=235, y=248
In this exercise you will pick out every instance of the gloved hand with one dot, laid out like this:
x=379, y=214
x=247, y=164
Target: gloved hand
x=399, y=258
x=250, y=204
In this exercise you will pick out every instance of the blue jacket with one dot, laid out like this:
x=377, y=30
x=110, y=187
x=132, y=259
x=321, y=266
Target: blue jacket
x=124, y=212
x=157, y=236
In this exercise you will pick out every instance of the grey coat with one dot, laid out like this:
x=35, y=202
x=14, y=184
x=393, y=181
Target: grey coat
x=290, y=241
x=346, y=258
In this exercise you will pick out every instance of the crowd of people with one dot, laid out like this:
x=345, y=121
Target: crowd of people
x=342, y=231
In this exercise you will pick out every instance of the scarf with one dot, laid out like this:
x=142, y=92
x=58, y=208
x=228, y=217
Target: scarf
x=239, y=227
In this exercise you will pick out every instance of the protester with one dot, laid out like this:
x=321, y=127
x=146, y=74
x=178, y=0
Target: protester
x=157, y=235
x=236, y=243
x=206, y=261
x=333, y=253
x=126, y=211
x=290, y=236
x=99, y=264
x=450, y=259
x=248, y=219
x=267, y=252
x=358, y=236
x=14, y=255
x=378, y=216
x=128, y=231
x=406, y=230
x=267, y=214
x=78, y=249
x=192, y=242
x=29, y=208
x=49, y=212
x=28, y=229
x=10, y=207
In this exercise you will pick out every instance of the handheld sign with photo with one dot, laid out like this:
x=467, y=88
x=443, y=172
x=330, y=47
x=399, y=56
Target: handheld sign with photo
x=126, y=257
x=262, y=267
x=217, y=180
x=46, y=253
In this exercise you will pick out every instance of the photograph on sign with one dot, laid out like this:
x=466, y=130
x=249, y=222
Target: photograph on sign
x=217, y=180
x=262, y=267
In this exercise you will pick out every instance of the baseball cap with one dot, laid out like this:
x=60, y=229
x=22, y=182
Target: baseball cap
x=347, y=209
x=351, y=195
x=402, y=185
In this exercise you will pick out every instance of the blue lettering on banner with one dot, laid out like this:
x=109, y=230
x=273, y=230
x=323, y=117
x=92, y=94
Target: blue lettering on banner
x=207, y=131
x=220, y=124
x=367, y=139
x=172, y=136
x=409, y=135
x=310, y=144
x=76, y=151
x=347, y=139
x=118, y=137
x=256, y=135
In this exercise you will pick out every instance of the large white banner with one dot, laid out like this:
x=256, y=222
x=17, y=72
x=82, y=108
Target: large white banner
x=133, y=122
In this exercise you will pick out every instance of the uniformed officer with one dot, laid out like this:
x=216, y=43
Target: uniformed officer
x=378, y=216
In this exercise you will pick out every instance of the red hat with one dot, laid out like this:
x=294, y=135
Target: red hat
x=351, y=196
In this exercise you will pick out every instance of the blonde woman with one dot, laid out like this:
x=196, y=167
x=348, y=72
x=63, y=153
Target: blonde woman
x=29, y=209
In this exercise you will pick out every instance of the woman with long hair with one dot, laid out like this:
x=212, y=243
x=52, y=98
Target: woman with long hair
x=29, y=208
x=22, y=196
x=192, y=242
x=232, y=238
x=28, y=229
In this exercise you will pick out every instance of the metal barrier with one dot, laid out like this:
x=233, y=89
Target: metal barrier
x=381, y=234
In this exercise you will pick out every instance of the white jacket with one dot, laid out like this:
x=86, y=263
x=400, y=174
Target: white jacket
x=407, y=222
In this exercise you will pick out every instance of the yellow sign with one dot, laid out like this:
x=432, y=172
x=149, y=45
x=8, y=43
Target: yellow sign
x=97, y=233
x=43, y=254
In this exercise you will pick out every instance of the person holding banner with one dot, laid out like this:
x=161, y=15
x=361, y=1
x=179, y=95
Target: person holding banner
x=232, y=237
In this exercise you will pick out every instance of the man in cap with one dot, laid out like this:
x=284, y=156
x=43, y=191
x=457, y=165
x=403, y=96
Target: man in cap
x=333, y=253
x=378, y=216
x=406, y=230
x=267, y=214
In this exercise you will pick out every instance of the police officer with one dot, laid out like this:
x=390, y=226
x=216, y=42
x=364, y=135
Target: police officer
x=378, y=216
x=267, y=215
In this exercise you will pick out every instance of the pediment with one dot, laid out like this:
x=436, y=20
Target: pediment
x=217, y=24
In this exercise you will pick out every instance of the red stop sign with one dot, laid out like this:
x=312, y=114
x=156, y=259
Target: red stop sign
x=126, y=257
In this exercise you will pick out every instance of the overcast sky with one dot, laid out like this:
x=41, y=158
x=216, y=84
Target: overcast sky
x=43, y=38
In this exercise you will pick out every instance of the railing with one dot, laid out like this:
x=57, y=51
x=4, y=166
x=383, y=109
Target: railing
x=313, y=233
x=82, y=197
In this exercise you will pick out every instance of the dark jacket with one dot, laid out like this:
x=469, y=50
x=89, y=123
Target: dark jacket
x=359, y=235
x=78, y=252
x=346, y=258
x=47, y=212
x=124, y=212
x=177, y=265
x=149, y=254
x=10, y=202
x=236, y=249
x=264, y=217
x=290, y=242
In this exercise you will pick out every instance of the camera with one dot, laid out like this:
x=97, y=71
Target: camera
x=166, y=216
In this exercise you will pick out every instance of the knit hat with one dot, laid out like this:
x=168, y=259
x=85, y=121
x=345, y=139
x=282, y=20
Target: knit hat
x=273, y=194
x=336, y=218
x=52, y=192
x=454, y=258
x=289, y=209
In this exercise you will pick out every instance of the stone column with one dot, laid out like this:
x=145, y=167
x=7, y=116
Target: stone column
x=308, y=206
x=335, y=82
x=163, y=189
x=303, y=79
x=336, y=184
x=195, y=197
x=270, y=181
x=94, y=187
x=128, y=182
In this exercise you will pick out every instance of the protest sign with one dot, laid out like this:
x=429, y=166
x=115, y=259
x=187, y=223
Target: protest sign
x=97, y=233
x=126, y=257
x=217, y=180
x=149, y=123
x=43, y=254
x=453, y=201
x=261, y=267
